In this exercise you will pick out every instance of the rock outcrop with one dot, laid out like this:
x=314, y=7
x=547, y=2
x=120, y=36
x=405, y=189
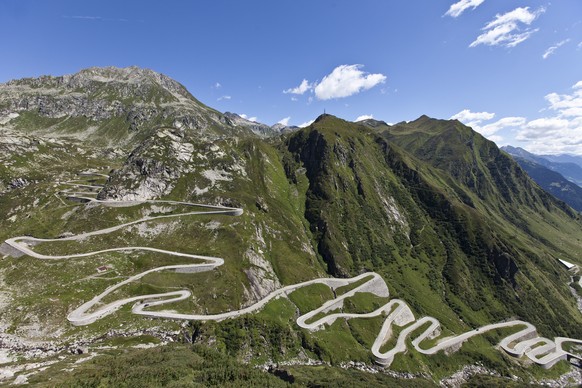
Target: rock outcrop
x=116, y=104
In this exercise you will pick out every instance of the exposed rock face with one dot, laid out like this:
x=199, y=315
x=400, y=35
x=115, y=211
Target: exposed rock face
x=236, y=120
x=261, y=276
x=152, y=169
x=97, y=101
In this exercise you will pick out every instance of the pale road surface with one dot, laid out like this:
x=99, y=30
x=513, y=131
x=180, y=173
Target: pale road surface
x=525, y=342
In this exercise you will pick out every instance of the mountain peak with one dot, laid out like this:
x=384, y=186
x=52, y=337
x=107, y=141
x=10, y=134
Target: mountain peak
x=323, y=116
x=130, y=78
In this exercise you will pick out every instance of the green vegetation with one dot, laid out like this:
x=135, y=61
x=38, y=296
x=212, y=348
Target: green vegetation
x=345, y=289
x=455, y=228
x=311, y=297
x=172, y=365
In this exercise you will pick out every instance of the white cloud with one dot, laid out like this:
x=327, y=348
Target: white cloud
x=568, y=105
x=506, y=122
x=552, y=49
x=474, y=120
x=561, y=133
x=224, y=98
x=306, y=124
x=505, y=29
x=458, y=8
x=496, y=139
x=294, y=99
x=579, y=46
x=542, y=128
x=217, y=85
x=284, y=121
x=254, y=118
x=364, y=117
x=301, y=89
x=345, y=81
x=466, y=115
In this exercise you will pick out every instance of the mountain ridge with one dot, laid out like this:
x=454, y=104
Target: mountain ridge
x=569, y=170
x=119, y=105
x=451, y=224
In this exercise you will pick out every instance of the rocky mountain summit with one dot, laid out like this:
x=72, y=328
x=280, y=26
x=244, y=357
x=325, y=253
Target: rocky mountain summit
x=258, y=128
x=111, y=106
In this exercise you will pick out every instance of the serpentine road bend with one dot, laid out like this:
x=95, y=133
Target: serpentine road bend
x=524, y=342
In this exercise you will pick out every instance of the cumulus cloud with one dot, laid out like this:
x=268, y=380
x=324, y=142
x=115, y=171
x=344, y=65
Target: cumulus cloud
x=364, y=117
x=458, y=8
x=560, y=133
x=253, y=118
x=567, y=105
x=345, y=81
x=553, y=48
x=474, y=120
x=507, y=122
x=301, y=89
x=284, y=121
x=306, y=124
x=224, y=98
x=542, y=128
x=217, y=85
x=507, y=29
x=496, y=139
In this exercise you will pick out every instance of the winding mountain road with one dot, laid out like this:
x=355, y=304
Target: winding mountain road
x=525, y=342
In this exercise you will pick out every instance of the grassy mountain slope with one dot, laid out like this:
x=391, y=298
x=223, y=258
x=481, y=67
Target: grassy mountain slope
x=454, y=226
x=450, y=221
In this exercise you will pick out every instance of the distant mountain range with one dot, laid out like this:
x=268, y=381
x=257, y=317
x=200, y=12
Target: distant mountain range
x=560, y=175
x=569, y=166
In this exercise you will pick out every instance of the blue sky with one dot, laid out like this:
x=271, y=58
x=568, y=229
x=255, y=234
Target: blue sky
x=510, y=69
